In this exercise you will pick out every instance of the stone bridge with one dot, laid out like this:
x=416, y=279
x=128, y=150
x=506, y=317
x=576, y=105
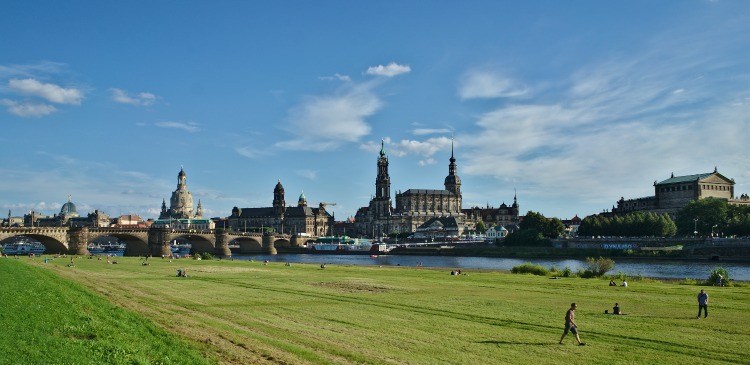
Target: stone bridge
x=155, y=241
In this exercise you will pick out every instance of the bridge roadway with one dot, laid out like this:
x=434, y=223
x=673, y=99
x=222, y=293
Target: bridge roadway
x=155, y=241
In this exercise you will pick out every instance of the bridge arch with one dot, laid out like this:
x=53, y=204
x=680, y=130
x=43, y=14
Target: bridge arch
x=134, y=245
x=248, y=244
x=198, y=243
x=51, y=244
x=282, y=242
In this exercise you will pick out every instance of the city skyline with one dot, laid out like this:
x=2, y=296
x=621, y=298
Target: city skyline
x=572, y=105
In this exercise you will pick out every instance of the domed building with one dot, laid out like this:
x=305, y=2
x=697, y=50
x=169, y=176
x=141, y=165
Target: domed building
x=68, y=210
x=180, y=213
x=181, y=202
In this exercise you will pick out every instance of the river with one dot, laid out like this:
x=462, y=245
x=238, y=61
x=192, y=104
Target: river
x=651, y=268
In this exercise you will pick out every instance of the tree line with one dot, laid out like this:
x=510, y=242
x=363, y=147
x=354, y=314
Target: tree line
x=702, y=218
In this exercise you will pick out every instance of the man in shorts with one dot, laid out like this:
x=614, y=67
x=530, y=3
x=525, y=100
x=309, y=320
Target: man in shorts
x=570, y=324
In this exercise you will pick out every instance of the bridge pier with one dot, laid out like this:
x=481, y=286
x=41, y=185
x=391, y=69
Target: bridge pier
x=78, y=241
x=221, y=245
x=268, y=246
x=158, y=241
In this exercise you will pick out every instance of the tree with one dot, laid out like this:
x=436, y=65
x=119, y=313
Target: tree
x=548, y=227
x=481, y=228
x=526, y=237
x=702, y=216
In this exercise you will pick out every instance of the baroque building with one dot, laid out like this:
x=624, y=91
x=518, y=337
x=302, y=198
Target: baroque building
x=415, y=207
x=296, y=220
x=181, y=202
x=673, y=194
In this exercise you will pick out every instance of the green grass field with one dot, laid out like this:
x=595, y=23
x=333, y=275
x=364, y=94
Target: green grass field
x=247, y=312
x=45, y=319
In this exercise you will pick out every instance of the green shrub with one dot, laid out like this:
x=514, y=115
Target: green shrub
x=529, y=268
x=719, y=272
x=567, y=272
x=598, y=267
x=203, y=256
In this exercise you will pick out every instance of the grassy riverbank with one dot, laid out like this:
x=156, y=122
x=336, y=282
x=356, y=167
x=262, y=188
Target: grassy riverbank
x=247, y=312
x=46, y=319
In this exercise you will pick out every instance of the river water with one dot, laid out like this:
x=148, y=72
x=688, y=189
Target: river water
x=654, y=269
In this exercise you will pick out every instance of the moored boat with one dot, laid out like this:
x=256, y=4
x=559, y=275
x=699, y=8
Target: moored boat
x=23, y=248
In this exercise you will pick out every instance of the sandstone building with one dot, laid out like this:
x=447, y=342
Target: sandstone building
x=673, y=194
x=415, y=207
x=300, y=219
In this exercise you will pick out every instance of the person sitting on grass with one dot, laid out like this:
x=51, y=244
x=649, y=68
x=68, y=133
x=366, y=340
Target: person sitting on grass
x=612, y=283
x=616, y=309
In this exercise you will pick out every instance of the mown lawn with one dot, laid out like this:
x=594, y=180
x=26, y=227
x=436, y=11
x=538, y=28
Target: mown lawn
x=46, y=319
x=248, y=312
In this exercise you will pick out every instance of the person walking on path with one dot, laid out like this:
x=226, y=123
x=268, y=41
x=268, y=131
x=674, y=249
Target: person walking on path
x=570, y=324
x=703, y=303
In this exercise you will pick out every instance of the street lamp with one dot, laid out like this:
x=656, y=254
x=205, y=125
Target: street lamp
x=695, y=227
x=712, y=229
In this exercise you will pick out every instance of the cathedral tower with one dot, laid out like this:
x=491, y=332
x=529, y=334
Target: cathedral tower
x=279, y=205
x=382, y=200
x=452, y=181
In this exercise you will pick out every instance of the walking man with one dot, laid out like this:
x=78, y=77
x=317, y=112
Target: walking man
x=703, y=303
x=570, y=324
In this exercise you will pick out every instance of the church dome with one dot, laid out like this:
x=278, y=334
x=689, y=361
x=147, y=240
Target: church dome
x=302, y=197
x=182, y=173
x=278, y=188
x=68, y=209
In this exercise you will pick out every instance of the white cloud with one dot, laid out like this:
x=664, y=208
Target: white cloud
x=483, y=84
x=424, y=131
x=188, y=127
x=325, y=122
x=405, y=147
x=426, y=162
x=336, y=76
x=620, y=125
x=50, y=92
x=250, y=152
x=28, y=109
x=390, y=70
x=308, y=174
x=142, y=99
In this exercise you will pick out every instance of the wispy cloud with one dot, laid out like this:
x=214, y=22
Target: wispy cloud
x=405, y=147
x=27, y=109
x=251, y=152
x=51, y=92
x=486, y=84
x=325, y=122
x=141, y=99
x=389, y=70
x=308, y=174
x=336, y=76
x=188, y=127
x=31, y=70
x=617, y=126
x=426, y=131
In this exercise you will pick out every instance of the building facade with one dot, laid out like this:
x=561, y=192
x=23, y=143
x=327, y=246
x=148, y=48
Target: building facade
x=181, y=202
x=415, y=207
x=300, y=219
x=673, y=194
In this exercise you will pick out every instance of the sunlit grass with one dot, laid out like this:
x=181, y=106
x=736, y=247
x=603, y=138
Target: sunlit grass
x=247, y=312
x=46, y=319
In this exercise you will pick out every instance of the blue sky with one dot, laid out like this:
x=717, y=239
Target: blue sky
x=574, y=104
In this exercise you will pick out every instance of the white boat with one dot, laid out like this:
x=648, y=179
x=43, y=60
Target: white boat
x=340, y=244
x=23, y=248
x=180, y=249
x=107, y=249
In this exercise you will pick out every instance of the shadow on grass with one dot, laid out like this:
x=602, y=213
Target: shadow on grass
x=496, y=342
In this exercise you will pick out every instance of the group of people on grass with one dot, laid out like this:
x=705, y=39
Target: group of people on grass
x=624, y=283
x=572, y=327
